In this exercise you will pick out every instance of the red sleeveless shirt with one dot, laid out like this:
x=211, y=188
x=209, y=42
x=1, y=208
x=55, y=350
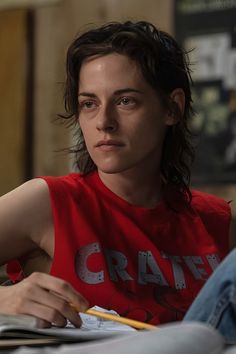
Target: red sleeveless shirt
x=146, y=264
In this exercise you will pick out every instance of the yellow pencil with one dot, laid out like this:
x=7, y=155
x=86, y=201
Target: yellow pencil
x=108, y=316
x=123, y=320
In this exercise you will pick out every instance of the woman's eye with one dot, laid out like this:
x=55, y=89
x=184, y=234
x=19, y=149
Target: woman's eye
x=87, y=104
x=125, y=101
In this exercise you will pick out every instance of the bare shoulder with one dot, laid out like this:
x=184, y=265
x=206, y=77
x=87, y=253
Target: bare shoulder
x=28, y=197
x=25, y=219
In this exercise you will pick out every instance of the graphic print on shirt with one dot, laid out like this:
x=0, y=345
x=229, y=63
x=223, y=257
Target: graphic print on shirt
x=148, y=273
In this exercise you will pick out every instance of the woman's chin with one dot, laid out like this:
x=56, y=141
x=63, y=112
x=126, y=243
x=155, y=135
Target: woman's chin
x=110, y=169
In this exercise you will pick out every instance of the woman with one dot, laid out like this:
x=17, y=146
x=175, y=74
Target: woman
x=125, y=232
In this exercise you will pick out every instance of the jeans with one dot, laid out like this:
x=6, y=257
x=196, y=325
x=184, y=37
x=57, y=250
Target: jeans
x=216, y=301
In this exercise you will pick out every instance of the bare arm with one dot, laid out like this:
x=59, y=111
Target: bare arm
x=25, y=220
x=26, y=225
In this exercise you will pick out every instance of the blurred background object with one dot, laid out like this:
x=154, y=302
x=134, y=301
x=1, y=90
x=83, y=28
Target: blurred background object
x=11, y=4
x=207, y=30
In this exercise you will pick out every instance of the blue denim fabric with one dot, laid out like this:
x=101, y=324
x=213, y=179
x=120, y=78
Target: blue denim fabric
x=216, y=302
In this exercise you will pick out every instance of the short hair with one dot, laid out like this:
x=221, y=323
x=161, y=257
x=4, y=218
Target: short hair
x=164, y=65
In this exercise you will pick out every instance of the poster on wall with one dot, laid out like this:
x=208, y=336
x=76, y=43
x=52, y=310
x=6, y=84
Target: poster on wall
x=212, y=53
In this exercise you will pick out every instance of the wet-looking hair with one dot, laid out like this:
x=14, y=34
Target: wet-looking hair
x=164, y=65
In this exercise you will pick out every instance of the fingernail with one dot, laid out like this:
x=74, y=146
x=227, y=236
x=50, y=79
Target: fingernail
x=84, y=305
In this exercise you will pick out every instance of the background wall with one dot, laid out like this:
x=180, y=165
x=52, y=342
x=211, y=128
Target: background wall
x=12, y=98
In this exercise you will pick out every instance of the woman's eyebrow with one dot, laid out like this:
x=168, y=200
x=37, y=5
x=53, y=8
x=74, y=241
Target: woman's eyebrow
x=127, y=89
x=117, y=92
x=87, y=94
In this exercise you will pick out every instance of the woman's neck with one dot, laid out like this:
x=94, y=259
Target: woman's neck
x=140, y=190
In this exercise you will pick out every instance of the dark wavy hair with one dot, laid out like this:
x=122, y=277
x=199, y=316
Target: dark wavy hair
x=164, y=65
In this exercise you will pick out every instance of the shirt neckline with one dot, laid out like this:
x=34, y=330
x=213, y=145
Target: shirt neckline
x=94, y=176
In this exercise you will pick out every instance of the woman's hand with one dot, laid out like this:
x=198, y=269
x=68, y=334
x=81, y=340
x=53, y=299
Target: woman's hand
x=45, y=297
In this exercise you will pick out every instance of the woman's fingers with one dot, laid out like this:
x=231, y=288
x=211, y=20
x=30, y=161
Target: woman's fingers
x=45, y=313
x=60, y=287
x=45, y=297
x=51, y=307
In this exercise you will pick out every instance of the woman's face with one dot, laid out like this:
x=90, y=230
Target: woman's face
x=120, y=114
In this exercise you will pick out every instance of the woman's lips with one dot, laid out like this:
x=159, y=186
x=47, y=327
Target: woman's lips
x=108, y=145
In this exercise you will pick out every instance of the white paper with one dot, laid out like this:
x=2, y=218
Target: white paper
x=92, y=328
x=92, y=322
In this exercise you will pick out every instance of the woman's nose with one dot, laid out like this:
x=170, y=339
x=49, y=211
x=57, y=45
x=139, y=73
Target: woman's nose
x=106, y=119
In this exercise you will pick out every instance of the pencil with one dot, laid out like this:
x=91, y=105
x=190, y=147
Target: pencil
x=108, y=316
x=123, y=320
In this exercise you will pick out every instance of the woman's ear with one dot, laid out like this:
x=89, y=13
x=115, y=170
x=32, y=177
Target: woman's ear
x=177, y=99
